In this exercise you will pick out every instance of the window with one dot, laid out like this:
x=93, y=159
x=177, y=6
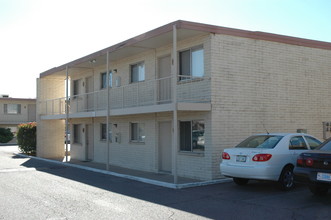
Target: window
x=104, y=80
x=260, y=141
x=313, y=143
x=326, y=146
x=103, y=133
x=77, y=134
x=14, y=109
x=192, y=136
x=137, y=132
x=191, y=63
x=298, y=143
x=76, y=87
x=138, y=72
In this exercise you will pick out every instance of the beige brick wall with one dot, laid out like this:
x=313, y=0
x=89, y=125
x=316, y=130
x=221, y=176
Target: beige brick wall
x=50, y=133
x=255, y=83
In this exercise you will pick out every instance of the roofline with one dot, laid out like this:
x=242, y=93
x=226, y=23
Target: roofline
x=18, y=99
x=180, y=24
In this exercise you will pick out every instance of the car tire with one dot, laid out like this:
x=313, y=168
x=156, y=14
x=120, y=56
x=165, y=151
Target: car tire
x=286, y=180
x=240, y=181
x=318, y=190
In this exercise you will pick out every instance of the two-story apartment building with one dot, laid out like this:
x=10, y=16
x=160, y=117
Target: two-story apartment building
x=171, y=99
x=15, y=111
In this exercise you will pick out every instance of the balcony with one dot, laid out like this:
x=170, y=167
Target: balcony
x=149, y=96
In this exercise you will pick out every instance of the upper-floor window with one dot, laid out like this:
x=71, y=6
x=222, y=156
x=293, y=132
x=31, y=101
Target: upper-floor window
x=137, y=72
x=191, y=63
x=104, y=80
x=14, y=109
x=76, y=87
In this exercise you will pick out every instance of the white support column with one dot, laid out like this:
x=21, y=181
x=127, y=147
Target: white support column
x=108, y=111
x=174, y=120
x=67, y=111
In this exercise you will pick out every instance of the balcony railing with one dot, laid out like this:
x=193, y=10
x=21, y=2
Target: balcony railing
x=146, y=93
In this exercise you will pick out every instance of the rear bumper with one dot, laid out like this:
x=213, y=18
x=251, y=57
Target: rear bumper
x=254, y=172
x=308, y=177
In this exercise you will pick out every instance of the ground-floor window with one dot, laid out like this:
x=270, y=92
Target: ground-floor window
x=137, y=132
x=103, y=133
x=192, y=135
x=77, y=133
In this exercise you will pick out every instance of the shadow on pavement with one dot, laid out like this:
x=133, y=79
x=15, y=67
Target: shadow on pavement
x=207, y=201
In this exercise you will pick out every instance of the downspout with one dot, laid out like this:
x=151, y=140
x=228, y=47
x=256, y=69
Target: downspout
x=174, y=120
x=108, y=111
x=67, y=111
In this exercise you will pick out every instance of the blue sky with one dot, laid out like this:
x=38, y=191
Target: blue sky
x=37, y=35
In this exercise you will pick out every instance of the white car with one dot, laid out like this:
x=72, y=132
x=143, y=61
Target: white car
x=266, y=157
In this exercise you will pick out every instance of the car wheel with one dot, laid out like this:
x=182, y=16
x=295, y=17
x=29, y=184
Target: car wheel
x=240, y=181
x=286, y=181
x=318, y=190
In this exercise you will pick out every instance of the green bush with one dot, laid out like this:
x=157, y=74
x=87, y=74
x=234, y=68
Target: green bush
x=27, y=137
x=6, y=135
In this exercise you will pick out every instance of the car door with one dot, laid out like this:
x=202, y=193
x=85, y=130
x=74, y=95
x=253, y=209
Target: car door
x=297, y=145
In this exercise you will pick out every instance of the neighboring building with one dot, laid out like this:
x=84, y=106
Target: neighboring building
x=15, y=111
x=180, y=94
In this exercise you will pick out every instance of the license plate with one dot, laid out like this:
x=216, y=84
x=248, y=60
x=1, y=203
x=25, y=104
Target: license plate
x=241, y=158
x=324, y=177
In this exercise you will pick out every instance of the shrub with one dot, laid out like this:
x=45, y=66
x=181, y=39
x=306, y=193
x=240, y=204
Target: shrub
x=27, y=137
x=6, y=135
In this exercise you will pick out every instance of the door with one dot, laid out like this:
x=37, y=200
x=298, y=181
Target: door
x=165, y=146
x=31, y=112
x=164, y=82
x=297, y=146
x=89, y=142
x=90, y=95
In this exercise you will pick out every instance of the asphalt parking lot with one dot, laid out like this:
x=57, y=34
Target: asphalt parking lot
x=33, y=189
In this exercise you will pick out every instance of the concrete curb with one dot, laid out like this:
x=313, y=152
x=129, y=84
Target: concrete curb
x=139, y=179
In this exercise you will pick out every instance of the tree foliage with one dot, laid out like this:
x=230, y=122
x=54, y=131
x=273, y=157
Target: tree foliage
x=27, y=137
x=6, y=135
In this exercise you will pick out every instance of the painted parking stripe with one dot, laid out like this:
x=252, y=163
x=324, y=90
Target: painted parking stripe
x=17, y=170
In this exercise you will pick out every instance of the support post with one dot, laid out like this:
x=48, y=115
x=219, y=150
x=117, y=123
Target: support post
x=108, y=111
x=67, y=112
x=174, y=120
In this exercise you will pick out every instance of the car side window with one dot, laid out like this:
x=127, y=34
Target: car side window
x=297, y=143
x=313, y=142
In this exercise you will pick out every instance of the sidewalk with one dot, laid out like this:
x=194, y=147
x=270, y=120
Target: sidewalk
x=160, y=179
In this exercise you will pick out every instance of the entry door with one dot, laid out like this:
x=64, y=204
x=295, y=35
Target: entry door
x=164, y=70
x=165, y=146
x=90, y=95
x=31, y=112
x=89, y=142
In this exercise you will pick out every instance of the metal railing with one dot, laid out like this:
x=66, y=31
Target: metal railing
x=145, y=93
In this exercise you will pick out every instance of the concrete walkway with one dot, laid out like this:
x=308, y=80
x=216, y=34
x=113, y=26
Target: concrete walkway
x=160, y=179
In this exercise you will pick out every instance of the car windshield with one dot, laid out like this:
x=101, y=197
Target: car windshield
x=260, y=141
x=326, y=146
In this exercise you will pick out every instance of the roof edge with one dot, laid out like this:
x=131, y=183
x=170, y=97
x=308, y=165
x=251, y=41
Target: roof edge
x=181, y=24
x=19, y=99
